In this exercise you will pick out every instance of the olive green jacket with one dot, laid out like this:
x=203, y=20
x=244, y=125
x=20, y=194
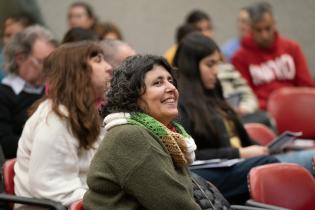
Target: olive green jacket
x=132, y=170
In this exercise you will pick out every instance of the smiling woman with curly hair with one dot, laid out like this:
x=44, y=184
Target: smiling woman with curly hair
x=142, y=162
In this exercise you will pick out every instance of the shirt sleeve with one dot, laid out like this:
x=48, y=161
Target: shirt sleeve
x=248, y=99
x=54, y=164
x=233, y=83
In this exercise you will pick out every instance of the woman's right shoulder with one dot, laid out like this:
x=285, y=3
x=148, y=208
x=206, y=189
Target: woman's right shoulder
x=126, y=130
x=45, y=116
x=126, y=134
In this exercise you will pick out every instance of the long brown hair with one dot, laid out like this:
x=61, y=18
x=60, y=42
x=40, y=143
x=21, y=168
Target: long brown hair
x=68, y=76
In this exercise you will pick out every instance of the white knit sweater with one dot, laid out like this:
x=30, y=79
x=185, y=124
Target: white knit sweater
x=49, y=162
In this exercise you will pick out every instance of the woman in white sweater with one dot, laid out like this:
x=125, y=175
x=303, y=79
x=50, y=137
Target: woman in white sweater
x=60, y=138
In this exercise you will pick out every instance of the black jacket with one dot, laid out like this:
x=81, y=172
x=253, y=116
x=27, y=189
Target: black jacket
x=13, y=115
x=207, y=148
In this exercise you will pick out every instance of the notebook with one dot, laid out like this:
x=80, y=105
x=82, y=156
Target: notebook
x=214, y=163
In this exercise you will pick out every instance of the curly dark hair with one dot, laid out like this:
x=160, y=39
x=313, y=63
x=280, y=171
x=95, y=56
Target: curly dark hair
x=128, y=82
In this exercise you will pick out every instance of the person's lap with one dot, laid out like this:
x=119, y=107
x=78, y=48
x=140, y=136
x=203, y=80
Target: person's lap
x=303, y=158
x=232, y=181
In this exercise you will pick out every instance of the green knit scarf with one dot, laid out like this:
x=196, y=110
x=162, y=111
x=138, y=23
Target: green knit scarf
x=175, y=142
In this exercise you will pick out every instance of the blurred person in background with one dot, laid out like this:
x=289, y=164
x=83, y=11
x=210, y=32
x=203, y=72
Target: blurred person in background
x=108, y=30
x=79, y=34
x=195, y=20
x=115, y=51
x=267, y=60
x=181, y=32
x=243, y=27
x=12, y=25
x=24, y=84
x=81, y=14
x=202, y=21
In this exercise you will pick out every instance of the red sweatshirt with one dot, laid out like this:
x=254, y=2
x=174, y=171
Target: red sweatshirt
x=281, y=65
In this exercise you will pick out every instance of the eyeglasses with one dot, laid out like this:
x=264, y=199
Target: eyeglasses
x=36, y=61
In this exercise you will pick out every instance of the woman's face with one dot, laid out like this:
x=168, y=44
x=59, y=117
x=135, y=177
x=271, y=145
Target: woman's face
x=161, y=96
x=78, y=17
x=102, y=73
x=208, y=69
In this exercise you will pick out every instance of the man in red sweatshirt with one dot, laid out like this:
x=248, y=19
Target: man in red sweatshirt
x=267, y=60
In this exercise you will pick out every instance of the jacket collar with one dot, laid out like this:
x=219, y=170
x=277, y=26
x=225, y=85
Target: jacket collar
x=18, y=85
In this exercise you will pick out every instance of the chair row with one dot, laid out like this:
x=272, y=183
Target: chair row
x=285, y=185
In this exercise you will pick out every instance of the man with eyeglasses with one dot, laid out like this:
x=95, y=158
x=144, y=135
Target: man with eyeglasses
x=24, y=84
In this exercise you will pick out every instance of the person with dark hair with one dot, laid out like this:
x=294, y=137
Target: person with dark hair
x=195, y=20
x=12, y=25
x=267, y=60
x=81, y=14
x=142, y=163
x=79, y=34
x=213, y=123
x=108, y=30
x=61, y=136
x=24, y=84
x=202, y=21
x=181, y=32
x=243, y=27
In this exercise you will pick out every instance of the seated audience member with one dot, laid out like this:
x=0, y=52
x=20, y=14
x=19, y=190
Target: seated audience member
x=24, y=55
x=61, y=136
x=267, y=60
x=181, y=32
x=115, y=51
x=142, y=163
x=108, y=30
x=243, y=26
x=81, y=14
x=202, y=21
x=12, y=25
x=199, y=114
x=79, y=34
x=234, y=85
x=240, y=96
x=211, y=121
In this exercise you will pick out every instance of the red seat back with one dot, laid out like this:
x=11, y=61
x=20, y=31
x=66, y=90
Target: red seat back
x=8, y=176
x=78, y=205
x=293, y=110
x=285, y=185
x=259, y=133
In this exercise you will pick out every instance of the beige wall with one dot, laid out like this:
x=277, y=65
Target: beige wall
x=149, y=25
